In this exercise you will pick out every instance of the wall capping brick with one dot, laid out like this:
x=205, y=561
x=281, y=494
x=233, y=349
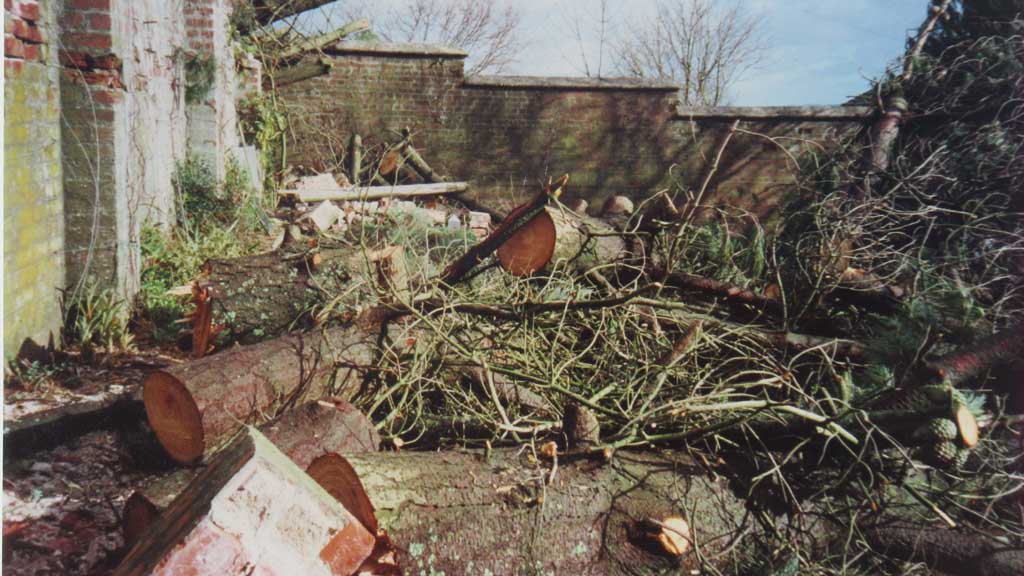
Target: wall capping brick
x=570, y=83
x=838, y=113
x=392, y=49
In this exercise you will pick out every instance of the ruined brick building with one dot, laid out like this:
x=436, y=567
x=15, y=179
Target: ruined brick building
x=96, y=117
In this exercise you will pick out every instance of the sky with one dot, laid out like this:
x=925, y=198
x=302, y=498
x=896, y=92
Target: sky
x=818, y=51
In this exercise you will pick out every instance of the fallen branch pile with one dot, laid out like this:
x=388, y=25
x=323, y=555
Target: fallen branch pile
x=643, y=389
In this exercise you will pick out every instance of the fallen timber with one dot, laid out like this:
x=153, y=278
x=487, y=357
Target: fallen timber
x=355, y=193
x=509, y=511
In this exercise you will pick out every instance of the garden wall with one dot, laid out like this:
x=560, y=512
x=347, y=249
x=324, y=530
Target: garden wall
x=508, y=134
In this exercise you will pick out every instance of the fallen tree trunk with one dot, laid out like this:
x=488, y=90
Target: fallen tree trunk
x=251, y=509
x=560, y=237
x=195, y=406
x=1003, y=348
x=298, y=72
x=506, y=513
x=251, y=298
x=323, y=40
x=952, y=551
x=459, y=512
x=303, y=434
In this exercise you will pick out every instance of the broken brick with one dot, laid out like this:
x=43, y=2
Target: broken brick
x=13, y=48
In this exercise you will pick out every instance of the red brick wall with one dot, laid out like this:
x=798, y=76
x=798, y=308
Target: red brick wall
x=199, y=24
x=23, y=38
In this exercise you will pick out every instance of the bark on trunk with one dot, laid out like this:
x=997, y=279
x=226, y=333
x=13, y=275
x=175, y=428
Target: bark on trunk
x=961, y=365
x=297, y=72
x=462, y=513
x=507, y=513
x=952, y=551
x=253, y=298
x=251, y=510
x=322, y=427
x=323, y=40
x=729, y=292
x=193, y=407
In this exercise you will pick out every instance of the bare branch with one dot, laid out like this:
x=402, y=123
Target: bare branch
x=706, y=48
x=487, y=29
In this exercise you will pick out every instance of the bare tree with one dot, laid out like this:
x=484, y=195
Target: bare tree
x=487, y=29
x=704, y=46
x=593, y=30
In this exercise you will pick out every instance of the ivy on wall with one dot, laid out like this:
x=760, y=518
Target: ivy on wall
x=200, y=68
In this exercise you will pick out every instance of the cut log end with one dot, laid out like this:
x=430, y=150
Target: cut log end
x=337, y=477
x=174, y=416
x=531, y=248
x=967, y=424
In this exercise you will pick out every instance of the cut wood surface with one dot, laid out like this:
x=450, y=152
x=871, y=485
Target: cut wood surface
x=195, y=406
x=251, y=510
x=377, y=192
x=138, y=515
x=559, y=235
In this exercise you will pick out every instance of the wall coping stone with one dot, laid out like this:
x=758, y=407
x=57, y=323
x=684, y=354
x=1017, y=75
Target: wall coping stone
x=394, y=49
x=578, y=83
x=838, y=113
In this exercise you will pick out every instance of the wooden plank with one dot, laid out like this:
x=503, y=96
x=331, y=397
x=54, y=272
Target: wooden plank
x=377, y=192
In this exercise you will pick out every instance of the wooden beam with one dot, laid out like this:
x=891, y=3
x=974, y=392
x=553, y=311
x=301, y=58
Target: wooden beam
x=377, y=192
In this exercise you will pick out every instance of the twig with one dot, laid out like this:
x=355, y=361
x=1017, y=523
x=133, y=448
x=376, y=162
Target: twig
x=935, y=13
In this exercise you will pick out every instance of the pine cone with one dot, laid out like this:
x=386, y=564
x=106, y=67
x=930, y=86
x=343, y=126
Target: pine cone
x=941, y=454
x=940, y=429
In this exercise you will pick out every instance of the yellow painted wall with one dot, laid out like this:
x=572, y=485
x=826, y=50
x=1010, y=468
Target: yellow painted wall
x=33, y=197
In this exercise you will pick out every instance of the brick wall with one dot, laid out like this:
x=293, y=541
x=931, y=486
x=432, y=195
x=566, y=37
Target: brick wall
x=508, y=134
x=92, y=100
x=33, y=203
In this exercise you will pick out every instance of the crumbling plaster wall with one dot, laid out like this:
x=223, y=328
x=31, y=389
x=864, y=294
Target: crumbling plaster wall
x=506, y=135
x=212, y=121
x=127, y=124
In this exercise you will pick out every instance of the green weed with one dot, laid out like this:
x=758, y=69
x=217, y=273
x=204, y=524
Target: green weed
x=96, y=316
